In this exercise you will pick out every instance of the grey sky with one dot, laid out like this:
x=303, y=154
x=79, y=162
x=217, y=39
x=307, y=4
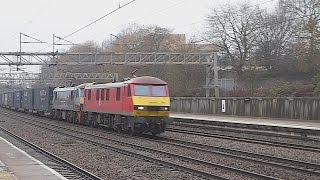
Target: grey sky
x=42, y=18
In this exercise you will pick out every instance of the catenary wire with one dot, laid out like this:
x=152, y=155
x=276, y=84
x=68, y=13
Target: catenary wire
x=93, y=22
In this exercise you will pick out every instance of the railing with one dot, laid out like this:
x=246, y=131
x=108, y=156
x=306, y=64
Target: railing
x=307, y=108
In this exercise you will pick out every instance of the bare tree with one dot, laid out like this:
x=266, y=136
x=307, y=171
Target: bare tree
x=274, y=38
x=86, y=47
x=234, y=28
x=306, y=16
x=137, y=38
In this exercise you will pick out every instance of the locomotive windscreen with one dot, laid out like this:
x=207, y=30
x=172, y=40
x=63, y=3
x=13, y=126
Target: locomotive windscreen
x=148, y=90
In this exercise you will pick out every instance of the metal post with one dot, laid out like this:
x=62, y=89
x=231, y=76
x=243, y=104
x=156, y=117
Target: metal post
x=207, y=80
x=20, y=48
x=216, y=85
x=53, y=43
x=20, y=43
x=208, y=76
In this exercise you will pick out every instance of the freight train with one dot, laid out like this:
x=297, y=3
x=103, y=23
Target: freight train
x=137, y=105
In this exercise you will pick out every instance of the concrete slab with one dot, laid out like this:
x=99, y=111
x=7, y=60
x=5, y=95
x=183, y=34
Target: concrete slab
x=288, y=123
x=22, y=165
x=6, y=175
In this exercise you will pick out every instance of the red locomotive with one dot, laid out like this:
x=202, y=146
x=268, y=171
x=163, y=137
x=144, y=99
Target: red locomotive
x=141, y=104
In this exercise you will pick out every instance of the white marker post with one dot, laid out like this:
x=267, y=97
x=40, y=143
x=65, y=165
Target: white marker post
x=223, y=106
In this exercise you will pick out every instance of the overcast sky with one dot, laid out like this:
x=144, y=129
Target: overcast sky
x=42, y=18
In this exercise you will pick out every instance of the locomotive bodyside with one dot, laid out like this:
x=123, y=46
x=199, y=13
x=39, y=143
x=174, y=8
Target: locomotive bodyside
x=64, y=103
x=64, y=98
x=138, y=105
x=68, y=103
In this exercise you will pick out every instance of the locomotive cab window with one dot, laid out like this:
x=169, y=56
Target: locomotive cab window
x=102, y=94
x=71, y=95
x=89, y=94
x=107, y=94
x=142, y=90
x=81, y=92
x=129, y=91
x=98, y=95
x=159, y=91
x=118, y=94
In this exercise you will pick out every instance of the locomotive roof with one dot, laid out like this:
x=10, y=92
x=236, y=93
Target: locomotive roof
x=136, y=80
x=106, y=85
x=145, y=80
x=65, y=89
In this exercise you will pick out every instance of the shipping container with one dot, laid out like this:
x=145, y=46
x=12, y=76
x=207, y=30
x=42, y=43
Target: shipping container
x=27, y=100
x=17, y=99
x=42, y=99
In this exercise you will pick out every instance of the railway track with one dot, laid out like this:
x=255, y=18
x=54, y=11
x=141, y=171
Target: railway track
x=247, y=140
x=287, y=163
x=242, y=130
x=63, y=167
x=207, y=175
x=300, y=166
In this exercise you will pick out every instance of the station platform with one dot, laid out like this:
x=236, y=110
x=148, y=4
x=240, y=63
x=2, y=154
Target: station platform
x=16, y=164
x=293, y=125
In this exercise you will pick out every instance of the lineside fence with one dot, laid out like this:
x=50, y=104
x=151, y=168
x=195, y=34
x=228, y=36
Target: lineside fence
x=307, y=108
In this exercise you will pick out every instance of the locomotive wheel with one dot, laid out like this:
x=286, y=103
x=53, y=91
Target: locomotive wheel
x=117, y=128
x=131, y=132
x=95, y=124
x=154, y=134
x=67, y=116
x=94, y=118
x=72, y=117
x=59, y=115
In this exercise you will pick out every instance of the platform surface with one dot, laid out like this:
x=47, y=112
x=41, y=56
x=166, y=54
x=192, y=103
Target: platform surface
x=289, y=123
x=16, y=164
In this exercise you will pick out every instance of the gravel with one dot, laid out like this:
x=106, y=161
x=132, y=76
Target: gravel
x=269, y=137
x=109, y=164
x=295, y=154
x=104, y=163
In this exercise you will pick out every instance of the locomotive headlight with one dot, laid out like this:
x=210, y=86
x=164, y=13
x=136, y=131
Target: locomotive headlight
x=140, y=107
x=165, y=108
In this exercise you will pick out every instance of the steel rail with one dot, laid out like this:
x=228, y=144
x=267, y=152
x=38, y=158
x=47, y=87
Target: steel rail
x=225, y=127
x=131, y=153
x=79, y=170
x=247, y=140
x=291, y=164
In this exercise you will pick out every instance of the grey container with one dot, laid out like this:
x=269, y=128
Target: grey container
x=27, y=99
x=17, y=99
x=42, y=99
x=4, y=99
x=9, y=99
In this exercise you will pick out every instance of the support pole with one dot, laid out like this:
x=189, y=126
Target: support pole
x=216, y=83
x=53, y=43
x=208, y=73
x=20, y=43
